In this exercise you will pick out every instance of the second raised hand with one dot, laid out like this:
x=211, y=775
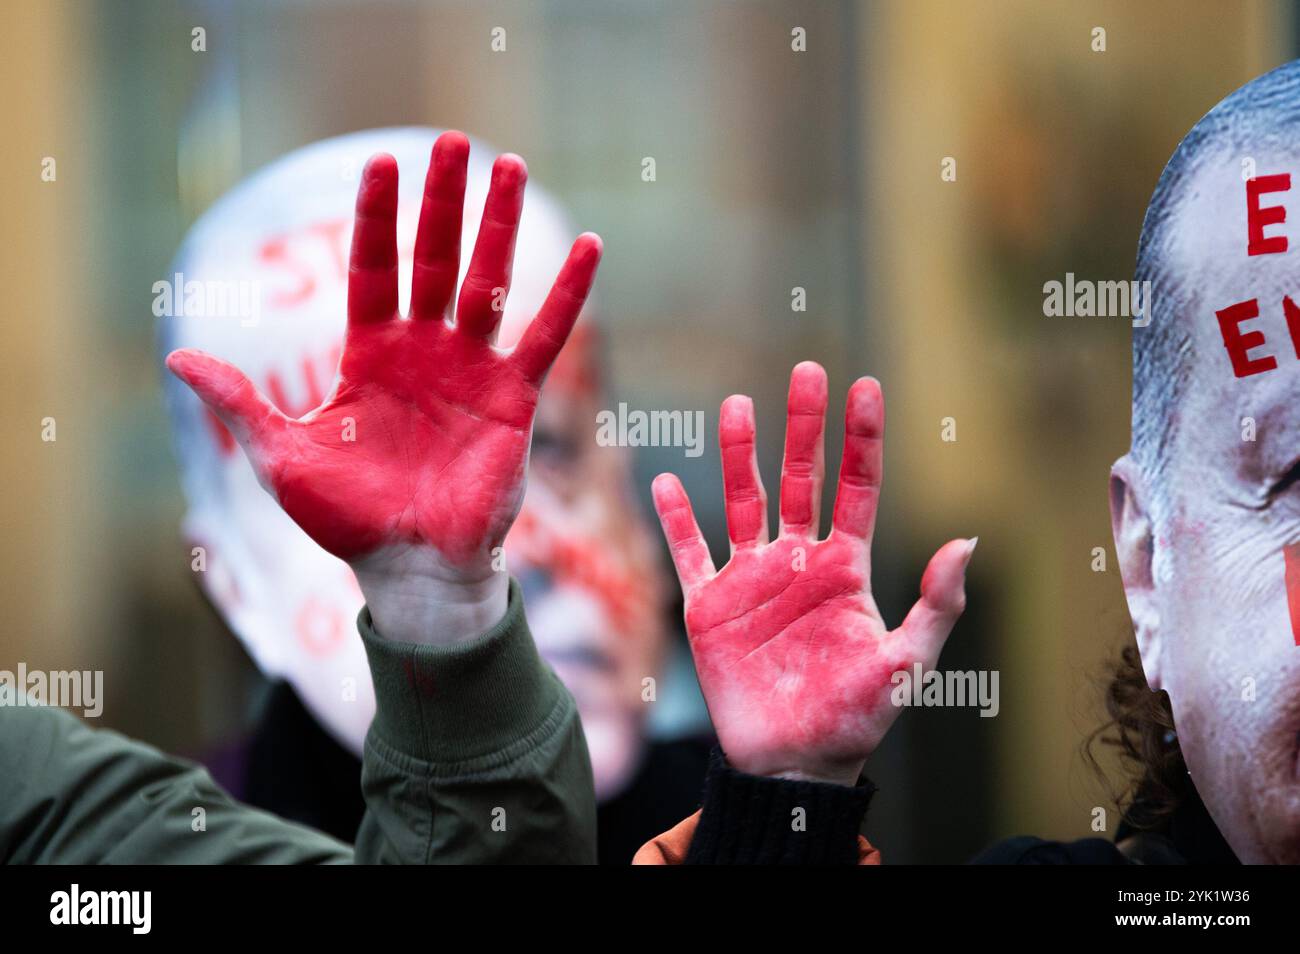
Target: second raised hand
x=794, y=659
x=413, y=469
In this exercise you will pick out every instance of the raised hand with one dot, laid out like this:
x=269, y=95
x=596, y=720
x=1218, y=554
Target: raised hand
x=793, y=657
x=413, y=469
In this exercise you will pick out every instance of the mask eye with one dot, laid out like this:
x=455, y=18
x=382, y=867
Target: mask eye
x=552, y=448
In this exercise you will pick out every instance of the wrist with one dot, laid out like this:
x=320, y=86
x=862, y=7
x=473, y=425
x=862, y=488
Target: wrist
x=416, y=598
x=749, y=819
x=847, y=777
x=823, y=771
x=460, y=703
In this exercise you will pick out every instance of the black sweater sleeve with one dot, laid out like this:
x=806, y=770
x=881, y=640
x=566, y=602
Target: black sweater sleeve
x=748, y=819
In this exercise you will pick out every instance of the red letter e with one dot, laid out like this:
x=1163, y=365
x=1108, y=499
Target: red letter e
x=1238, y=344
x=1257, y=218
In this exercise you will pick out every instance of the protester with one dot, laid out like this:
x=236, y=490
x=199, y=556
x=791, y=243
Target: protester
x=793, y=656
x=1205, y=704
x=794, y=662
x=587, y=561
x=411, y=470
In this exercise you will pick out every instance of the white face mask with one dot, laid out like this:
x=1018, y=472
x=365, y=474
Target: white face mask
x=261, y=281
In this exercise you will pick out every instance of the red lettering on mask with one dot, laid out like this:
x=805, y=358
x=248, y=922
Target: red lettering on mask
x=1256, y=218
x=282, y=253
x=321, y=629
x=1239, y=343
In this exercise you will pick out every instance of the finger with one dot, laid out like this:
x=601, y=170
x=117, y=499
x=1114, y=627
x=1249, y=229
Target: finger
x=745, y=499
x=862, y=464
x=685, y=542
x=437, y=239
x=804, y=468
x=372, y=275
x=943, y=598
x=483, y=293
x=251, y=419
x=544, y=337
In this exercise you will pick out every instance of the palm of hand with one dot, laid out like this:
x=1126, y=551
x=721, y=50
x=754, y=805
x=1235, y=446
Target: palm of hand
x=793, y=655
x=423, y=444
x=794, y=660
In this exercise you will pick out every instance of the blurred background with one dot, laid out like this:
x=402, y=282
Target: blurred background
x=776, y=169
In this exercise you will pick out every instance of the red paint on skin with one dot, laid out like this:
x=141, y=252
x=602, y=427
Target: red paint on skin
x=806, y=649
x=794, y=659
x=1291, y=558
x=274, y=388
x=746, y=504
x=440, y=418
x=805, y=463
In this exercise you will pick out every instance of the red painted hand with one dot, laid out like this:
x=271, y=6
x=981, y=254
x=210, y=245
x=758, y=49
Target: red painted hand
x=414, y=467
x=793, y=657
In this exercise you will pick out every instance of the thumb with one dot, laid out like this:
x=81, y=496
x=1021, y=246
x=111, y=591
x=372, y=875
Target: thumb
x=232, y=397
x=943, y=598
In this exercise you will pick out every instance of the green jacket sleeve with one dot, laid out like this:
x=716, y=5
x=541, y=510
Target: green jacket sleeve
x=476, y=754
x=70, y=794
x=493, y=767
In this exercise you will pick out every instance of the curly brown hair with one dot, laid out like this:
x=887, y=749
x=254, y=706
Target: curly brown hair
x=1141, y=728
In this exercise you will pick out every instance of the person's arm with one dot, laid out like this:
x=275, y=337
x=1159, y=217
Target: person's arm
x=412, y=471
x=476, y=755
x=754, y=819
x=794, y=659
x=70, y=794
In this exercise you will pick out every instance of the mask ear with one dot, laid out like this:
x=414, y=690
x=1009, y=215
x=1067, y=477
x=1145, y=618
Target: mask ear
x=1135, y=547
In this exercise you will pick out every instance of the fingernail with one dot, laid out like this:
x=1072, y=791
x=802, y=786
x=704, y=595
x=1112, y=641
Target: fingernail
x=970, y=546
